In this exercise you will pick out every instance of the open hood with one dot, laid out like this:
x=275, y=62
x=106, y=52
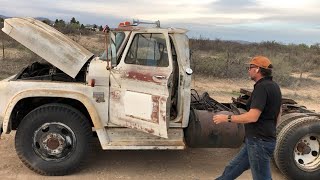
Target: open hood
x=48, y=43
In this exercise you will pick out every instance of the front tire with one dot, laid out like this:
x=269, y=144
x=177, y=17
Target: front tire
x=53, y=139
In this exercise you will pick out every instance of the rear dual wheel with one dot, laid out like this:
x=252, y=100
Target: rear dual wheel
x=297, y=153
x=53, y=139
x=287, y=118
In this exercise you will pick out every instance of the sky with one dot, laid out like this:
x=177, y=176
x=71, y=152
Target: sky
x=283, y=21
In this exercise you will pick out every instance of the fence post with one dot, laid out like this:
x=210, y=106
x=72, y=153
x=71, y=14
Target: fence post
x=2, y=49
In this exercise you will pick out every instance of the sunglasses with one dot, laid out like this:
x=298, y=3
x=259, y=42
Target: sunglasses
x=251, y=66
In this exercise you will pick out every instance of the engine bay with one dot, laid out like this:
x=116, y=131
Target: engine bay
x=48, y=72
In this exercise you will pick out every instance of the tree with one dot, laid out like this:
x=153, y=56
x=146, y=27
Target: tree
x=100, y=28
x=1, y=20
x=74, y=26
x=59, y=24
x=73, y=20
x=62, y=23
x=47, y=21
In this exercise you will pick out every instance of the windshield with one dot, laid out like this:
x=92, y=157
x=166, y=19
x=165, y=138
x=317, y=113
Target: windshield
x=116, y=39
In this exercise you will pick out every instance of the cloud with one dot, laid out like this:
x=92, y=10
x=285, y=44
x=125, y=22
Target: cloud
x=231, y=4
x=251, y=20
x=252, y=34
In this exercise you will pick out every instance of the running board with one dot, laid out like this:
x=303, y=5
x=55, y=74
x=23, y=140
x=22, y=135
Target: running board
x=129, y=139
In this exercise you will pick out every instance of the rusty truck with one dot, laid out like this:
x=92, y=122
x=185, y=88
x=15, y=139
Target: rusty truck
x=136, y=96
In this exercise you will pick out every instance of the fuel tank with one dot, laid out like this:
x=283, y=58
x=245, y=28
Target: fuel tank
x=202, y=132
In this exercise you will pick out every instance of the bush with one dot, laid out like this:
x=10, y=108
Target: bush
x=221, y=65
x=282, y=71
x=226, y=59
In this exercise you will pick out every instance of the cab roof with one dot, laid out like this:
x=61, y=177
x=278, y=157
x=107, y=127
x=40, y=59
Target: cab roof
x=170, y=30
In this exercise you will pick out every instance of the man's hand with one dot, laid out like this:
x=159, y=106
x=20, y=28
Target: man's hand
x=248, y=117
x=217, y=119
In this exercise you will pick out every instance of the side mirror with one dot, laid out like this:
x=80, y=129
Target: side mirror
x=189, y=71
x=113, y=55
x=110, y=55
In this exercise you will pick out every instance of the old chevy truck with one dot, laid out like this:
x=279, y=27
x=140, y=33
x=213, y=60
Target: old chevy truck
x=136, y=95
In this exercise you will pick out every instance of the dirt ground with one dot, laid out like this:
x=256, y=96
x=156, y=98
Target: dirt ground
x=193, y=164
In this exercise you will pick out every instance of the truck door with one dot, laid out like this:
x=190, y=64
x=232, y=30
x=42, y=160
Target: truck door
x=140, y=84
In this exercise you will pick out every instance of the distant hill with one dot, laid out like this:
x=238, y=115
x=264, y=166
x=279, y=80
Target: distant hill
x=242, y=42
x=38, y=18
x=3, y=17
x=43, y=18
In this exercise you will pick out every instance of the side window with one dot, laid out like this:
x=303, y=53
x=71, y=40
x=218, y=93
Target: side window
x=148, y=50
x=119, y=39
x=113, y=47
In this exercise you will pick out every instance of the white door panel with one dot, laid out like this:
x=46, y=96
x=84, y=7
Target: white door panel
x=143, y=110
x=139, y=85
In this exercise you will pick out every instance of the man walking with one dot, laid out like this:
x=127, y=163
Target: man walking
x=260, y=122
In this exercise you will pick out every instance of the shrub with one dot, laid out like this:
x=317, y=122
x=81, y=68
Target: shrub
x=226, y=59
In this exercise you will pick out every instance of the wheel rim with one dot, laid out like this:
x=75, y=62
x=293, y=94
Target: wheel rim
x=307, y=153
x=54, y=141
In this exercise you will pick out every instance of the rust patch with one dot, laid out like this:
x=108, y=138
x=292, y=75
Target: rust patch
x=151, y=131
x=163, y=113
x=115, y=94
x=146, y=77
x=155, y=109
x=139, y=127
x=139, y=76
x=53, y=143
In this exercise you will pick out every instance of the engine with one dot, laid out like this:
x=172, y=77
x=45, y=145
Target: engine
x=48, y=72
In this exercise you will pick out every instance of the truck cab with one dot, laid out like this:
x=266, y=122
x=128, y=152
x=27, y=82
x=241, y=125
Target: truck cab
x=149, y=83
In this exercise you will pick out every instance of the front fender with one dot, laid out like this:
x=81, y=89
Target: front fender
x=51, y=93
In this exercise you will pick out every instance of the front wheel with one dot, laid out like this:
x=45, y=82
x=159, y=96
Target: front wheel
x=53, y=139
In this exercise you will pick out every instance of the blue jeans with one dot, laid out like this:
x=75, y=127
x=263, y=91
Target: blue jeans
x=254, y=155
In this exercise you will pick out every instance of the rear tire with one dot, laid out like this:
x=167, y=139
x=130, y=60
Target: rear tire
x=53, y=139
x=286, y=119
x=297, y=150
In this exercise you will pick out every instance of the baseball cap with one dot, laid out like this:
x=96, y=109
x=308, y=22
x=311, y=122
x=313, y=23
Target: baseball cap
x=261, y=61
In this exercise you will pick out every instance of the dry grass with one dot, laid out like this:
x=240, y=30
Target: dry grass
x=14, y=60
x=16, y=54
x=94, y=43
x=17, y=57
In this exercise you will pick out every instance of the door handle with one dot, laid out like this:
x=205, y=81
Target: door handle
x=159, y=76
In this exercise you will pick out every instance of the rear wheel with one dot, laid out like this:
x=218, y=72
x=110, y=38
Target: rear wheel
x=286, y=119
x=53, y=139
x=297, y=153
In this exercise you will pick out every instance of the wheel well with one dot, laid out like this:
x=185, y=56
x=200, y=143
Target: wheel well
x=24, y=106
